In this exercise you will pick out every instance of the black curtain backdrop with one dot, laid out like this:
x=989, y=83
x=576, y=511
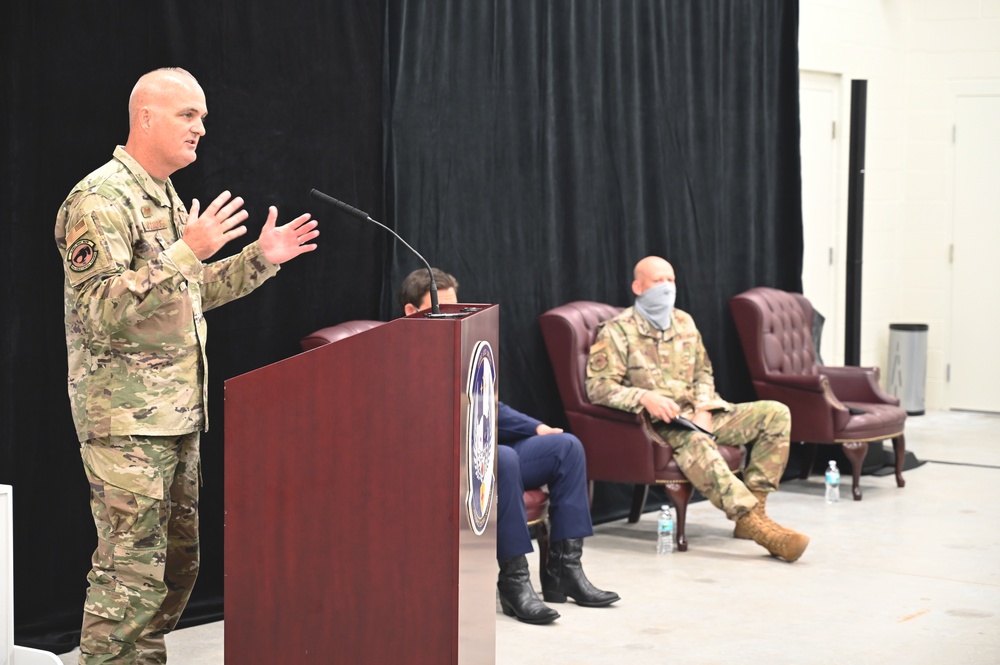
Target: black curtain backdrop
x=538, y=150
x=535, y=150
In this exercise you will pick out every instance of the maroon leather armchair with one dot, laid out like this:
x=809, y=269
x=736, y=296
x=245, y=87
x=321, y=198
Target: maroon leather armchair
x=832, y=405
x=621, y=447
x=536, y=500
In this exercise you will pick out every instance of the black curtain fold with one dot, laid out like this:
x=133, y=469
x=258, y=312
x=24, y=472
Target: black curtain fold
x=535, y=150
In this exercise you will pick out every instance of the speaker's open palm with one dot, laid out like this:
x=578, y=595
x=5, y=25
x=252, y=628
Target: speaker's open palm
x=283, y=243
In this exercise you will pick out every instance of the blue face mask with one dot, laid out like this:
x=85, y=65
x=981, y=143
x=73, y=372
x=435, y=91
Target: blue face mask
x=657, y=303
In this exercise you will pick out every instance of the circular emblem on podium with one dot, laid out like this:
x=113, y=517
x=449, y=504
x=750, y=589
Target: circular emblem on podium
x=481, y=436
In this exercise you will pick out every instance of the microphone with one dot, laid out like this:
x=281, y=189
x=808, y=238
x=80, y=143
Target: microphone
x=362, y=215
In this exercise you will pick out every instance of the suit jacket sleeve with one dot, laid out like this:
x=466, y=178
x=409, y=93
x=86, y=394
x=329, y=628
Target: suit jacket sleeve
x=512, y=425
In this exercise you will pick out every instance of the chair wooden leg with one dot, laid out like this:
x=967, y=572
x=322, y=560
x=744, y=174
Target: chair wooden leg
x=855, y=452
x=544, y=540
x=638, y=502
x=680, y=494
x=899, y=447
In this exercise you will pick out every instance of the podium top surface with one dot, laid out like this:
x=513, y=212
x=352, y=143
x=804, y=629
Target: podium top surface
x=451, y=311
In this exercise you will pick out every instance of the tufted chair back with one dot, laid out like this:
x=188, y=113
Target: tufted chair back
x=569, y=331
x=782, y=322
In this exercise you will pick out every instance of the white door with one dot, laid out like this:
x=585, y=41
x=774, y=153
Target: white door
x=819, y=108
x=975, y=288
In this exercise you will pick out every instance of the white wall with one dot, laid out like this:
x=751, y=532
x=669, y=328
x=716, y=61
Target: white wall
x=912, y=53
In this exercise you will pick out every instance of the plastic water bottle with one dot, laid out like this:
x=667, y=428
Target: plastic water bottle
x=665, y=531
x=832, y=483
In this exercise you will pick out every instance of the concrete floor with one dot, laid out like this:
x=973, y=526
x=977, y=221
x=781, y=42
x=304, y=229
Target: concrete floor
x=906, y=575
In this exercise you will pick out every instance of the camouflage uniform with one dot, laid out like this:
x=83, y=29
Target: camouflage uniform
x=630, y=357
x=135, y=297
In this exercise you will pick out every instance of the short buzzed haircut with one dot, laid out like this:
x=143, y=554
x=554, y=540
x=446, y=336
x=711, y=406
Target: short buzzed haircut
x=418, y=283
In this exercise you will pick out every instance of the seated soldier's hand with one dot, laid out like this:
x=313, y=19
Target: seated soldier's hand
x=659, y=406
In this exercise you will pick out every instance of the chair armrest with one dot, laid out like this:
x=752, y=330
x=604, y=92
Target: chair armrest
x=857, y=384
x=817, y=411
x=819, y=384
x=642, y=419
x=607, y=413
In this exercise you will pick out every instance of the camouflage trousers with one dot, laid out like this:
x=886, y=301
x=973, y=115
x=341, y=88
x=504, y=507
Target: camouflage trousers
x=765, y=424
x=144, y=497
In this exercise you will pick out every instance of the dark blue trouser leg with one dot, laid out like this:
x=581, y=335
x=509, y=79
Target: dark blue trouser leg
x=512, y=520
x=556, y=460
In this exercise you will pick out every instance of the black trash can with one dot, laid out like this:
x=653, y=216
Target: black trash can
x=908, y=365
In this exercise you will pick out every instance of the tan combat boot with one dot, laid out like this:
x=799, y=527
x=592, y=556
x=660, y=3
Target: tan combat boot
x=741, y=532
x=776, y=539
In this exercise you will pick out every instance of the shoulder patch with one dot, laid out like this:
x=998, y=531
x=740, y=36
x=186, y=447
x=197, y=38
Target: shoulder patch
x=598, y=361
x=87, y=252
x=81, y=255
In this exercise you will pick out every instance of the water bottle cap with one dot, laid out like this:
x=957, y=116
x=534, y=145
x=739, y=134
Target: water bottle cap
x=664, y=507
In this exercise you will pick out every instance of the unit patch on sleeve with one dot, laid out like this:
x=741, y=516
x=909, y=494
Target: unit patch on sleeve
x=81, y=255
x=598, y=361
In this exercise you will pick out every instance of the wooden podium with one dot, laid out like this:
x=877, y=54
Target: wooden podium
x=350, y=530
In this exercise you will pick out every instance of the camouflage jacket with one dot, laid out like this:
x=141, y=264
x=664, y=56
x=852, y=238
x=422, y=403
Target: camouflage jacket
x=630, y=356
x=135, y=297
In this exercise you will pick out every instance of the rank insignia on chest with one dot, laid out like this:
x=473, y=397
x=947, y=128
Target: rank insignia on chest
x=146, y=211
x=153, y=225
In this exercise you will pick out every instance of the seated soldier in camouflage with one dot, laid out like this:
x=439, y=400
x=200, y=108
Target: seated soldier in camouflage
x=651, y=357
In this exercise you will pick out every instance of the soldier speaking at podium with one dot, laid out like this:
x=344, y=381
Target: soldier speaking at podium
x=136, y=290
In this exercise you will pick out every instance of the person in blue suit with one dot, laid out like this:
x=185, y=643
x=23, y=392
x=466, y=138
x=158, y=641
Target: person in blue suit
x=530, y=454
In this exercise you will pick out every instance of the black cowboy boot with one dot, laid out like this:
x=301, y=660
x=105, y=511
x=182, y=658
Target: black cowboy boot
x=517, y=597
x=563, y=576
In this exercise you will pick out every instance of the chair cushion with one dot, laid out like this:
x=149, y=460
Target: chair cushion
x=536, y=504
x=878, y=422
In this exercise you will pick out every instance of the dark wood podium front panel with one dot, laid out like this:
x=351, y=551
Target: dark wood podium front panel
x=346, y=531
